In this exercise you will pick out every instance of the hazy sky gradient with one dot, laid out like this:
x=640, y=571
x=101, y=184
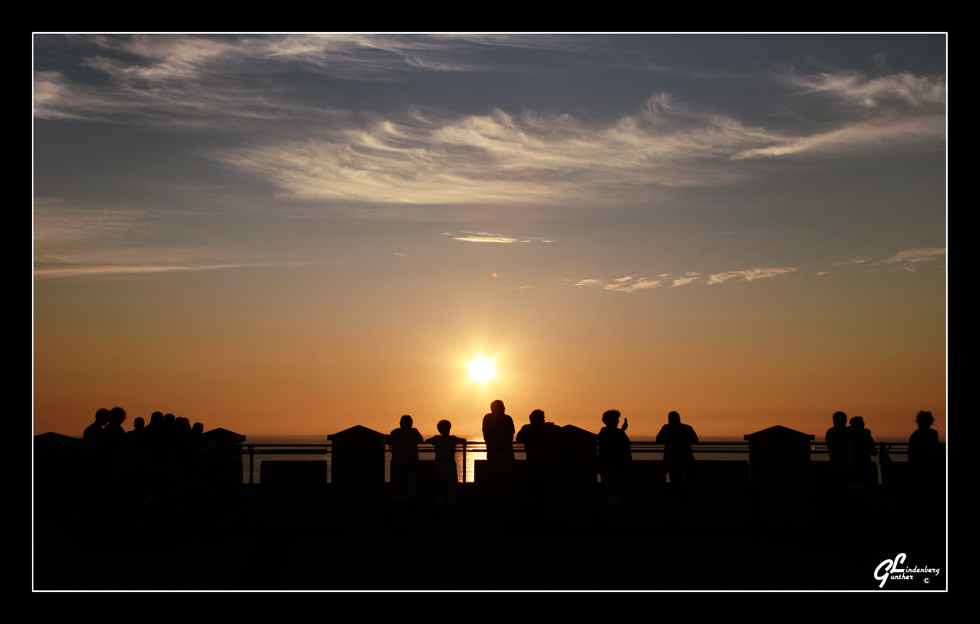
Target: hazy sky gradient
x=297, y=234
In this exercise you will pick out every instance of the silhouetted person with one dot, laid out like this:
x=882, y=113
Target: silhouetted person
x=498, y=433
x=677, y=439
x=113, y=433
x=840, y=446
x=152, y=427
x=925, y=452
x=864, y=449
x=446, y=486
x=542, y=441
x=93, y=439
x=96, y=466
x=404, y=443
x=139, y=428
x=615, y=463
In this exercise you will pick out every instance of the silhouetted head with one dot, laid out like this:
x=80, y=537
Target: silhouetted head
x=156, y=416
x=169, y=419
x=924, y=419
x=536, y=417
x=182, y=425
x=497, y=407
x=117, y=415
x=405, y=422
x=139, y=423
x=102, y=416
x=857, y=422
x=198, y=428
x=840, y=419
x=444, y=426
x=611, y=418
x=674, y=418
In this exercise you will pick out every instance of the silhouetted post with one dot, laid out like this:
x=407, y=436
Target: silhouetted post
x=226, y=446
x=59, y=473
x=779, y=468
x=357, y=474
x=223, y=471
x=576, y=485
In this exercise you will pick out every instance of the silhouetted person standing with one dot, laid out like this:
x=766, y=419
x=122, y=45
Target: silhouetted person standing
x=446, y=477
x=96, y=466
x=498, y=433
x=540, y=439
x=113, y=433
x=864, y=448
x=541, y=442
x=615, y=463
x=840, y=446
x=404, y=443
x=925, y=455
x=94, y=443
x=677, y=439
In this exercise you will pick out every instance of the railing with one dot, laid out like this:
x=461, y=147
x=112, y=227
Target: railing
x=637, y=447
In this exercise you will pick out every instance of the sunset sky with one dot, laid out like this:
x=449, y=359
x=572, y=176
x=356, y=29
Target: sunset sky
x=285, y=235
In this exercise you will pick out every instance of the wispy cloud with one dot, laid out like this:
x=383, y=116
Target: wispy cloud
x=630, y=284
x=906, y=260
x=77, y=271
x=749, y=275
x=871, y=113
x=487, y=237
x=499, y=158
x=903, y=260
x=922, y=93
x=59, y=222
x=214, y=80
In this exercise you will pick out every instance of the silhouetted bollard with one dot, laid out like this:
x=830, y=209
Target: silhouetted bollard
x=357, y=474
x=779, y=467
x=226, y=455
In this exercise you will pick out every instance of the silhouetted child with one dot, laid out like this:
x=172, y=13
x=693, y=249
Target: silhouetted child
x=446, y=486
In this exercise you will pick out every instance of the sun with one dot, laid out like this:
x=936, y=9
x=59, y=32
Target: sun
x=482, y=370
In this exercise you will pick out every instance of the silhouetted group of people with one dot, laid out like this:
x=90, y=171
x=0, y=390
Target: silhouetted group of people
x=851, y=449
x=150, y=456
x=542, y=447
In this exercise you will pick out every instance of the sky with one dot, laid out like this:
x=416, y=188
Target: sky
x=296, y=234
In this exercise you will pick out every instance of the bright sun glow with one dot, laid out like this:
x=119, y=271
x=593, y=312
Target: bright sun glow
x=482, y=370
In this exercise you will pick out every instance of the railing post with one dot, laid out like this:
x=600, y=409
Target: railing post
x=251, y=462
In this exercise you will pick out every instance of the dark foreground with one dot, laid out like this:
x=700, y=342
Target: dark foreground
x=247, y=538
